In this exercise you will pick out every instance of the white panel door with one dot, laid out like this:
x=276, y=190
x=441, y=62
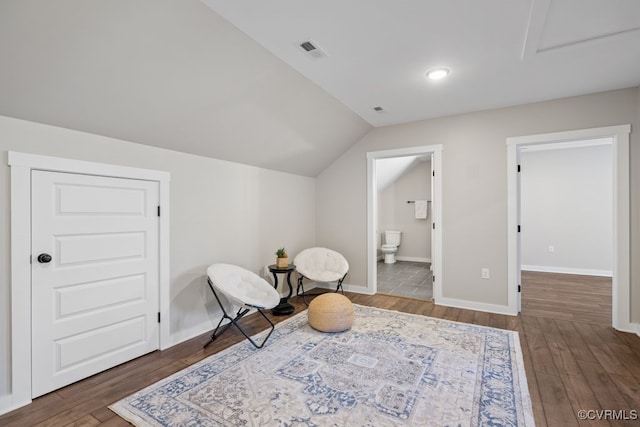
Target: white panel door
x=95, y=302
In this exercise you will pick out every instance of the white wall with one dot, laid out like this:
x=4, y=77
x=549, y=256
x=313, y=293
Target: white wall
x=566, y=203
x=394, y=213
x=220, y=212
x=474, y=200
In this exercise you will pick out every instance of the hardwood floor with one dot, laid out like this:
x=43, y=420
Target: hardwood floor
x=573, y=359
x=567, y=297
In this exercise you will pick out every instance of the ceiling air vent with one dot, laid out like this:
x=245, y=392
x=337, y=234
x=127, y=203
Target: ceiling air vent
x=308, y=46
x=312, y=49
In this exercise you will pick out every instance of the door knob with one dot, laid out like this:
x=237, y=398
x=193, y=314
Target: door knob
x=44, y=258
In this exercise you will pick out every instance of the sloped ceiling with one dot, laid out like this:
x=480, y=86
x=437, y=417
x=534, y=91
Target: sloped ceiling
x=500, y=52
x=391, y=169
x=228, y=79
x=167, y=73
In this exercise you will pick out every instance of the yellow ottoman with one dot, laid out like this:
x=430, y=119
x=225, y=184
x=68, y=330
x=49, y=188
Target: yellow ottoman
x=330, y=312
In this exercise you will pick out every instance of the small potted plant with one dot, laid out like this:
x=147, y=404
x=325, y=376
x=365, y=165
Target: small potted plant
x=282, y=260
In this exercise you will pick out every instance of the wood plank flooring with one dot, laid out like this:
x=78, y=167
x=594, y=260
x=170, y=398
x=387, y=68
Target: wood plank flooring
x=567, y=297
x=573, y=359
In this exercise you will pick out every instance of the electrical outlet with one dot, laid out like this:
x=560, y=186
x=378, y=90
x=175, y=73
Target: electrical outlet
x=552, y=249
x=486, y=273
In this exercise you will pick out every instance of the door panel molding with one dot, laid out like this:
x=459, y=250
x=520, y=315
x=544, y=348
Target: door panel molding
x=21, y=165
x=92, y=248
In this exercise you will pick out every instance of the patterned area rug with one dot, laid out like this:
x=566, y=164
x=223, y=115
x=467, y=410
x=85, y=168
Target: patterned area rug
x=390, y=369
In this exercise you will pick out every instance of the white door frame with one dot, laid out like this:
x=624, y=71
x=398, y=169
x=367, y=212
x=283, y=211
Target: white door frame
x=21, y=166
x=436, y=208
x=621, y=310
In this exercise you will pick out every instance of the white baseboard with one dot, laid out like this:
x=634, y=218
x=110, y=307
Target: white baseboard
x=8, y=403
x=567, y=270
x=356, y=289
x=413, y=259
x=192, y=332
x=201, y=328
x=332, y=287
x=346, y=286
x=633, y=328
x=448, y=302
x=472, y=305
x=406, y=258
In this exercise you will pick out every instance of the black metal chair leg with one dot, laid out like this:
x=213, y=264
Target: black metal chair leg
x=215, y=335
x=339, y=285
x=249, y=338
x=301, y=286
x=234, y=321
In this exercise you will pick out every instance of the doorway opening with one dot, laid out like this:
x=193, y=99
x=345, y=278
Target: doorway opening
x=408, y=267
x=566, y=218
x=620, y=263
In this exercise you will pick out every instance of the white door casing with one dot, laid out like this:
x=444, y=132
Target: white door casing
x=621, y=310
x=436, y=209
x=22, y=165
x=95, y=304
x=432, y=189
x=519, y=234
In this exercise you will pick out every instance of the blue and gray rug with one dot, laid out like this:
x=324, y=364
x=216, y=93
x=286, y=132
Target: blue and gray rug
x=390, y=369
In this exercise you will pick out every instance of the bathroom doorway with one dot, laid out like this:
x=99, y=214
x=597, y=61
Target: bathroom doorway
x=397, y=179
x=403, y=227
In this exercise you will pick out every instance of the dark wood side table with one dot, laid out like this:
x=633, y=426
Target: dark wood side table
x=284, y=308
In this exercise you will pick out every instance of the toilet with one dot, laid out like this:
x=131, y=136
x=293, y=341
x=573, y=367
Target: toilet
x=390, y=246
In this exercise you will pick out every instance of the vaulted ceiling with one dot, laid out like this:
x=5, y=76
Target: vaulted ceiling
x=500, y=53
x=228, y=79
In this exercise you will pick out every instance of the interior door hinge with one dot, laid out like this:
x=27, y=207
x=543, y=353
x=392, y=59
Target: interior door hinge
x=433, y=173
x=519, y=288
x=434, y=226
x=433, y=278
x=518, y=229
x=158, y=210
x=158, y=317
x=518, y=168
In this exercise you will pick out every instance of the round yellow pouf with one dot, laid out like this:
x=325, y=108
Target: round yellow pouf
x=331, y=312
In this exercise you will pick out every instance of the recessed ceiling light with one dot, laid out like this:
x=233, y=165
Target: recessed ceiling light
x=438, y=73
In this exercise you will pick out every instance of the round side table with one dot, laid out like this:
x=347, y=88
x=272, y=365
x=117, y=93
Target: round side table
x=284, y=308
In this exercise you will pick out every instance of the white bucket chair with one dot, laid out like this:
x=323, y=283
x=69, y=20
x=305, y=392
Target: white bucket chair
x=243, y=288
x=320, y=265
